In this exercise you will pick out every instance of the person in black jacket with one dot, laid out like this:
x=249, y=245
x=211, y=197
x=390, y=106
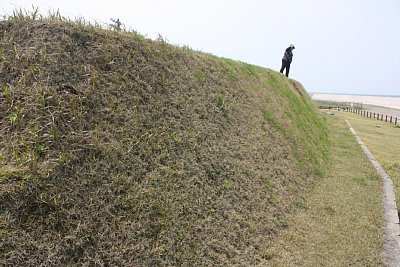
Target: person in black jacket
x=287, y=59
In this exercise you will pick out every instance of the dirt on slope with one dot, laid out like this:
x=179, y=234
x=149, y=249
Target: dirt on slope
x=117, y=150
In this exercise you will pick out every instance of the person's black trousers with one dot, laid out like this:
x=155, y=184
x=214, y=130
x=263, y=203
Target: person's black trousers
x=285, y=65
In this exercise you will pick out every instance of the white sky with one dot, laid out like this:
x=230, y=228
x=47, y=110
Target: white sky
x=342, y=46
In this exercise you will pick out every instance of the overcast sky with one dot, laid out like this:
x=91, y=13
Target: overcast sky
x=342, y=46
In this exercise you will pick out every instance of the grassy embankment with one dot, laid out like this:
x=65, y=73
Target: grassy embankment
x=117, y=150
x=341, y=223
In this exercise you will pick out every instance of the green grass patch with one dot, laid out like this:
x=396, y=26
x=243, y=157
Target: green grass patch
x=342, y=224
x=383, y=140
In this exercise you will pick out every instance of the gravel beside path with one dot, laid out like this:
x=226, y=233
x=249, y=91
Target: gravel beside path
x=384, y=111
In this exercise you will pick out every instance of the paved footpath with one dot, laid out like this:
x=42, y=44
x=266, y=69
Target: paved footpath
x=392, y=226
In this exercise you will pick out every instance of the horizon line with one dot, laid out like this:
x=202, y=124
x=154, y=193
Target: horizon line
x=360, y=94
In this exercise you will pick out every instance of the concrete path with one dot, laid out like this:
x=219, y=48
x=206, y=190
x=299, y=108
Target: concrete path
x=391, y=216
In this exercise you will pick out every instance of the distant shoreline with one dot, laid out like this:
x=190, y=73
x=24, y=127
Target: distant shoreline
x=314, y=93
x=382, y=101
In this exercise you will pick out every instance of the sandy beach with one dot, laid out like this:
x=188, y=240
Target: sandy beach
x=386, y=105
x=382, y=101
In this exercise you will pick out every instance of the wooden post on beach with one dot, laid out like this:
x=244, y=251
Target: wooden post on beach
x=374, y=115
x=390, y=119
x=395, y=121
x=382, y=117
x=386, y=118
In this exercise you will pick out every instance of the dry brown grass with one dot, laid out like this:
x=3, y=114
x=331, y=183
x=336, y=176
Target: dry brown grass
x=117, y=150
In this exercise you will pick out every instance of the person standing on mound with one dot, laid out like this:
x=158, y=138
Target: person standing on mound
x=287, y=59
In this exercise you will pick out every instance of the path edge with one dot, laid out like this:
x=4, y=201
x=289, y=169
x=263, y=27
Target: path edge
x=391, y=215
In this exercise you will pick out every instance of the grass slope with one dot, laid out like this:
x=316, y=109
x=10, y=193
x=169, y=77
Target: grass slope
x=117, y=150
